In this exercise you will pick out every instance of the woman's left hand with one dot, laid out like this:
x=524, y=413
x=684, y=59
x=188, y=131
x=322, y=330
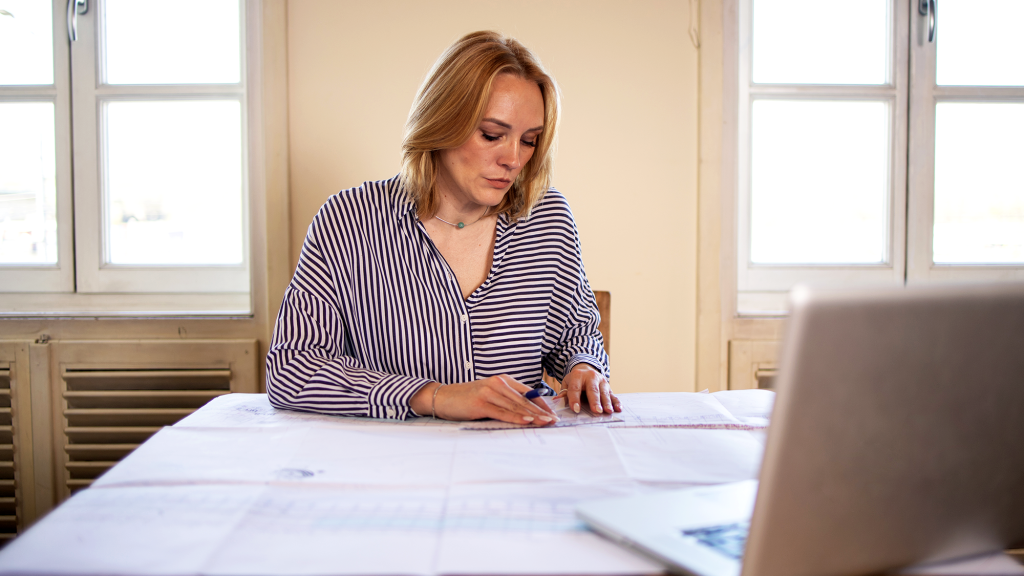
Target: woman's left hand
x=586, y=384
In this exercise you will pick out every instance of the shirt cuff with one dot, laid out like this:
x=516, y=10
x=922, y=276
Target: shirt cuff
x=594, y=361
x=389, y=399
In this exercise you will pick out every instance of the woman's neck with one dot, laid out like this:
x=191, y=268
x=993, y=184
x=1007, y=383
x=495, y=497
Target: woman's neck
x=453, y=213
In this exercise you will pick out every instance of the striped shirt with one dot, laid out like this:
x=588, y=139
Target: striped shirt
x=374, y=312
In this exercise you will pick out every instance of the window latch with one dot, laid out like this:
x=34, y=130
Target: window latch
x=75, y=7
x=927, y=8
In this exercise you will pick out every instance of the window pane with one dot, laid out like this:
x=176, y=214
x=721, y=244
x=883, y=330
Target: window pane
x=185, y=42
x=819, y=182
x=978, y=43
x=26, y=42
x=815, y=42
x=28, y=192
x=174, y=182
x=979, y=183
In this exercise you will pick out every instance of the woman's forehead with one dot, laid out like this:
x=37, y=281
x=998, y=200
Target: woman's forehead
x=516, y=103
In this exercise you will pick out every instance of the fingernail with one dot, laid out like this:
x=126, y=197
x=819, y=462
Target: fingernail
x=576, y=407
x=528, y=418
x=546, y=418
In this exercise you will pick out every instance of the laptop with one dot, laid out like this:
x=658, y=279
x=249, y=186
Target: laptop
x=897, y=438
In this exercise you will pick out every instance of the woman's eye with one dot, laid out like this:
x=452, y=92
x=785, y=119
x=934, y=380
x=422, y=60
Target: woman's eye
x=532, y=144
x=490, y=137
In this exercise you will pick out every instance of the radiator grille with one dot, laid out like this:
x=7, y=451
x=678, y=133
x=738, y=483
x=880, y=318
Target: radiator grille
x=108, y=413
x=8, y=484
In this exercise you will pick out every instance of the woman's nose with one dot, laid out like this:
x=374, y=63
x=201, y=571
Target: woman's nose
x=511, y=155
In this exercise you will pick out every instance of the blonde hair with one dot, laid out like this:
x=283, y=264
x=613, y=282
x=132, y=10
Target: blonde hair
x=450, y=105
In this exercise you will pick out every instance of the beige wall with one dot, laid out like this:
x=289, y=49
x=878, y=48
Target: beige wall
x=628, y=149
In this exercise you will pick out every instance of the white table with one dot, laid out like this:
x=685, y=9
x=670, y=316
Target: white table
x=241, y=488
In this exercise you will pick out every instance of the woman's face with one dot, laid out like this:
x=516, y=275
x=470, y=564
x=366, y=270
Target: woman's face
x=480, y=171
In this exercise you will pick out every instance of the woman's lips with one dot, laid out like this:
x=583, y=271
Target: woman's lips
x=499, y=182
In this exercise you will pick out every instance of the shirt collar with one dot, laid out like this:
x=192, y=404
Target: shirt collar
x=401, y=204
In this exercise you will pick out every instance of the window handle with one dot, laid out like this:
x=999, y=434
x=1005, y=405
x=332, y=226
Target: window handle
x=928, y=8
x=75, y=7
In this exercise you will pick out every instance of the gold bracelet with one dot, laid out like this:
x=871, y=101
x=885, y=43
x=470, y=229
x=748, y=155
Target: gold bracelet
x=433, y=401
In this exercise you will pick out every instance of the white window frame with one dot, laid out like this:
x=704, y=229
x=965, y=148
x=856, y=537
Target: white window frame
x=760, y=290
x=57, y=277
x=81, y=284
x=925, y=95
x=89, y=96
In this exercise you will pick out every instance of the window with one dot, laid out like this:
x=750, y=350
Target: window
x=124, y=155
x=870, y=153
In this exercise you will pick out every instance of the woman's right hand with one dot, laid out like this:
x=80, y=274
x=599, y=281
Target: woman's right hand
x=498, y=397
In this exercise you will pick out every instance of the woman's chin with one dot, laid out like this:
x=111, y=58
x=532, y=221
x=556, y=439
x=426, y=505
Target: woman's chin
x=490, y=198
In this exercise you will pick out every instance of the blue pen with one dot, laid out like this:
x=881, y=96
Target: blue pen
x=537, y=393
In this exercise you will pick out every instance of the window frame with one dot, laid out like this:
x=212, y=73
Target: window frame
x=85, y=286
x=761, y=289
x=57, y=277
x=925, y=95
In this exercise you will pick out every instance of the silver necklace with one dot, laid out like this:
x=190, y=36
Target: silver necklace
x=460, y=225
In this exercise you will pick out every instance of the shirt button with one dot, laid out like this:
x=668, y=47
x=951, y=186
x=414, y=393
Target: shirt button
x=391, y=412
x=469, y=365
x=465, y=317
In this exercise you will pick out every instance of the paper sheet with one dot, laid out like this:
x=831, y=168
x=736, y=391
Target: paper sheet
x=131, y=531
x=369, y=456
x=530, y=529
x=228, y=530
x=753, y=407
x=583, y=454
x=191, y=455
x=306, y=531
x=378, y=455
x=689, y=456
x=318, y=530
x=351, y=456
x=675, y=409
x=560, y=406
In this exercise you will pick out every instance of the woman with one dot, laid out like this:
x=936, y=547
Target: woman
x=465, y=269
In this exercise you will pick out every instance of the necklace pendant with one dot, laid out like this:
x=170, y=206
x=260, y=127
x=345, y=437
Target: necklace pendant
x=460, y=226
